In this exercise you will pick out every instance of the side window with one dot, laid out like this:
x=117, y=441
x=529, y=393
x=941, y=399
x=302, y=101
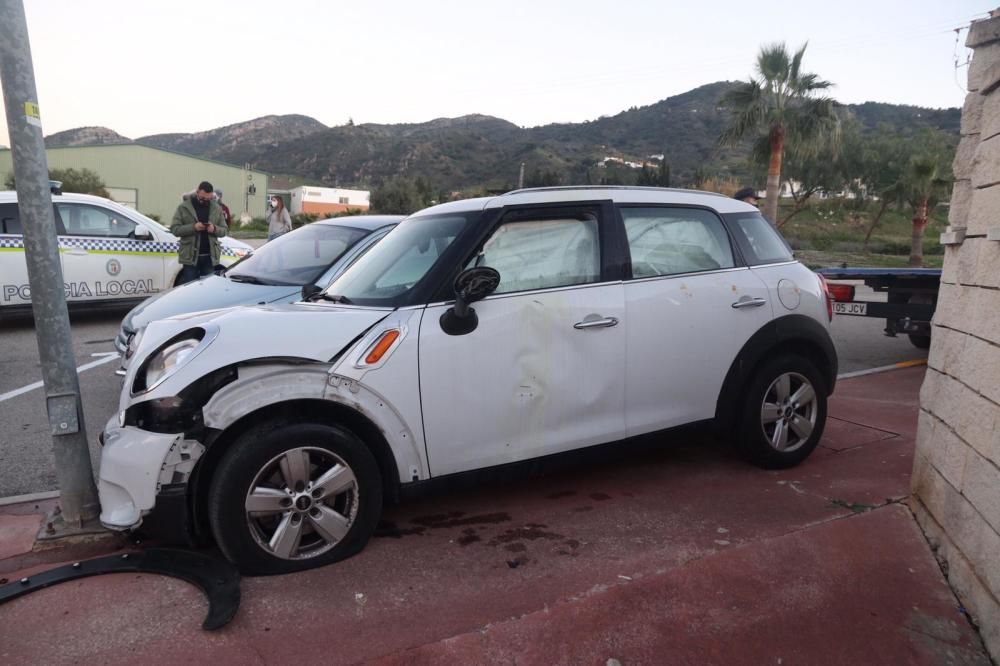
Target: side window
x=668, y=241
x=543, y=253
x=83, y=220
x=10, y=222
x=759, y=242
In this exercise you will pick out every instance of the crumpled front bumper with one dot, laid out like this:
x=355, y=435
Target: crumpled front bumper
x=135, y=463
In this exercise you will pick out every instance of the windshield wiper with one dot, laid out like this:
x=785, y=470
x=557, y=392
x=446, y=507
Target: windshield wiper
x=246, y=278
x=335, y=298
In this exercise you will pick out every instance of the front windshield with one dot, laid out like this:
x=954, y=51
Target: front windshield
x=297, y=258
x=386, y=274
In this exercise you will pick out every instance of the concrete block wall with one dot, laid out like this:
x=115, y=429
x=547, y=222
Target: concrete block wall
x=956, y=473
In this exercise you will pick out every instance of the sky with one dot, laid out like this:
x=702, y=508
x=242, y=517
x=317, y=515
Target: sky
x=144, y=68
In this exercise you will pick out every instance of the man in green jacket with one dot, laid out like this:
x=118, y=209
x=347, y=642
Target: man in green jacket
x=199, y=223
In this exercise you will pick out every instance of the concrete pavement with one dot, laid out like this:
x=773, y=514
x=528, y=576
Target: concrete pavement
x=673, y=553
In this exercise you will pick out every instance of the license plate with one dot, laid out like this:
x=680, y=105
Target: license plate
x=857, y=309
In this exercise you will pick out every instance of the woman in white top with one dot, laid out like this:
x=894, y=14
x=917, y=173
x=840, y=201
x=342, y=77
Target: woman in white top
x=278, y=220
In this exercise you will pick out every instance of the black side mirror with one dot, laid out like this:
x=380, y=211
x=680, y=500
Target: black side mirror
x=310, y=290
x=471, y=285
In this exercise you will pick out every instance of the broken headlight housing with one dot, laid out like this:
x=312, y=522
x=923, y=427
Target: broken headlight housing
x=170, y=357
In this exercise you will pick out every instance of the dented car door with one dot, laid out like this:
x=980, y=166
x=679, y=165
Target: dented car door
x=543, y=371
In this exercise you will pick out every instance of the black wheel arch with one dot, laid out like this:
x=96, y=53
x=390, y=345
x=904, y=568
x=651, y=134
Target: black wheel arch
x=294, y=411
x=796, y=334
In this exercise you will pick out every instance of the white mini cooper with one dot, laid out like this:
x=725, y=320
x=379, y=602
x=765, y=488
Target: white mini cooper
x=477, y=333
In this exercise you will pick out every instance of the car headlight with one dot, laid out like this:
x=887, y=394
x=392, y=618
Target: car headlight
x=133, y=343
x=170, y=357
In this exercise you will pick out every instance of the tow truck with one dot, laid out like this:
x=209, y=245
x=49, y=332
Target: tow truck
x=912, y=295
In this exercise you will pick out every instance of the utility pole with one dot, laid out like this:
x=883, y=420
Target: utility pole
x=520, y=177
x=77, y=492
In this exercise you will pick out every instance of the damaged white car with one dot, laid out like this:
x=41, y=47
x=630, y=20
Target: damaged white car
x=600, y=314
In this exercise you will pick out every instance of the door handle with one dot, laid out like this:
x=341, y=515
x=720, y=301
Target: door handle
x=606, y=322
x=747, y=302
x=77, y=251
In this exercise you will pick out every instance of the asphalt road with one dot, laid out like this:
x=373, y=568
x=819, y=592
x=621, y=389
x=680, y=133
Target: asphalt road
x=26, y=462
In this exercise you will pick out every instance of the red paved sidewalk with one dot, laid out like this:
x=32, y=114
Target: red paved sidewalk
x=677, y=554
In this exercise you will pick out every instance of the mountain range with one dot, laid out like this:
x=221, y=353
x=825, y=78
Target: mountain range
x=478, y=151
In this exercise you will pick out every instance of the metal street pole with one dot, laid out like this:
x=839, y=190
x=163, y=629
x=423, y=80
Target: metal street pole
x=78, y=494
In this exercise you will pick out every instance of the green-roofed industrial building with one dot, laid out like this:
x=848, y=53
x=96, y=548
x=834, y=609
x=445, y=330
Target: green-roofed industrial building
x=152, y=180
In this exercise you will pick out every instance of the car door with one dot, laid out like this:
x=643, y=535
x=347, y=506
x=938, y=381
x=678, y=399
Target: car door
x=690, y=309
x=102, y=258
x=14, y=289
x=543, y=371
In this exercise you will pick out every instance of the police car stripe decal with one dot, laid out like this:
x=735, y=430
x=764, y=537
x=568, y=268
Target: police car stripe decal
x=110, y=245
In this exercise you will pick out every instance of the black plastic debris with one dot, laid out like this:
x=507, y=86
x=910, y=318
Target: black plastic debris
x=218, y=579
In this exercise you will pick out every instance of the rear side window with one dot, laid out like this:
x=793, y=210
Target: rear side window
x=81, y=220
x=671, y=241
x=9, y=220
x=759, y=242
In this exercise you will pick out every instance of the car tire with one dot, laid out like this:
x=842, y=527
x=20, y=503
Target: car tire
x=920, y=341
x=317, y=489
x=785, y=413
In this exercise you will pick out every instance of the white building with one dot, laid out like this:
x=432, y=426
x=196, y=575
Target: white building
x=326, y=200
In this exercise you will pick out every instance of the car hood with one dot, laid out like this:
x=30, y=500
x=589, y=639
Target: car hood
x=229, y=241
x=307, y=331
x=211, y=293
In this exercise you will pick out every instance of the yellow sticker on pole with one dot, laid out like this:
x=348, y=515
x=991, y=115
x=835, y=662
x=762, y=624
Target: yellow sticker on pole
x=32, y=114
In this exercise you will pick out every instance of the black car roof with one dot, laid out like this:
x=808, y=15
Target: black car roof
x=366, y=222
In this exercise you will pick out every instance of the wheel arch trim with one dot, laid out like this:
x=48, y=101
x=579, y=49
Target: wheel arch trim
x=786, y=334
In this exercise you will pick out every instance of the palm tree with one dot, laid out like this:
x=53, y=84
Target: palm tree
x=921, y=187
x=782, y=101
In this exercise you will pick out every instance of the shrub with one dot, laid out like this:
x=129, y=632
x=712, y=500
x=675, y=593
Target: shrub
x=799, y=243
x=303, y=218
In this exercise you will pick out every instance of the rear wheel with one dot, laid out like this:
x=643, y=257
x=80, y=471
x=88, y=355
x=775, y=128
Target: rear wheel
x=289, y=497
x=920, y=341
x=784, y=414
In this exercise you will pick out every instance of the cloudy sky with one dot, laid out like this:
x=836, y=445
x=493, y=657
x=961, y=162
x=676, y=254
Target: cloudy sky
x=182, y=66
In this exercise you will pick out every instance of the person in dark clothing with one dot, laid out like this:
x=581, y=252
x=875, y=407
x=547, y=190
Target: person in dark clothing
x=225, y=209
x=199, y=224
x=747, y=194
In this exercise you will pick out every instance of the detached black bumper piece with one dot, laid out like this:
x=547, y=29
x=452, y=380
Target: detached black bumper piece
x=218, y=579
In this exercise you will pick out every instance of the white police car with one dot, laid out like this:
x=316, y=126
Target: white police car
x=599, y=314
x=110, y=253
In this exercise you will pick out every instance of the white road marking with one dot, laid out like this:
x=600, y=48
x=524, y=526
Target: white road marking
x=107, y=358
x=884, y=368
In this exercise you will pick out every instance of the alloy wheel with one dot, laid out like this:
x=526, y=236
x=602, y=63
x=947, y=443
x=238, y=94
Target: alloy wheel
x=788, y=413
x=301, y=503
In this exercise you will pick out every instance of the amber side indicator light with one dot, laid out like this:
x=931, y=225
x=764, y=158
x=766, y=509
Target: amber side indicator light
x=382, y=346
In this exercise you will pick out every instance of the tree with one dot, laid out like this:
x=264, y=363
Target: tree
x=397, y=196
x=663, y=175
x=884, y=166
x=81, y=181
x=783, y=103
x=921, y=186
x=810, y=174
x=543, y=178
x=648, y=177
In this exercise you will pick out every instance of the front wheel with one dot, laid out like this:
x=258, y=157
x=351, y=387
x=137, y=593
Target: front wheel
x=920, y=341
x=785, y=413
x=288, y=497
